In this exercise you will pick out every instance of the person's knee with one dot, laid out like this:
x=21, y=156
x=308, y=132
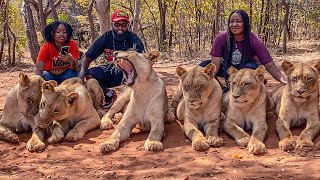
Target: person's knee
x=47, y=76
x=204, y=63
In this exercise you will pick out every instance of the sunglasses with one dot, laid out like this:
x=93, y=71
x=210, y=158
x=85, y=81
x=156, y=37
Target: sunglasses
x=122, y=14
x=123, y=25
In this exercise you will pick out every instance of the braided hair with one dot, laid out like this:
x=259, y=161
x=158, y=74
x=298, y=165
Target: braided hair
x=230, y=40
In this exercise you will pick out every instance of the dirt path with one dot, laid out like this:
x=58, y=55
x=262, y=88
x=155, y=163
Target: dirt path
x=82, y=160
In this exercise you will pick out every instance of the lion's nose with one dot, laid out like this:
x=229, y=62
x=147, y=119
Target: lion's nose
x=300, y=91
x=235, y=96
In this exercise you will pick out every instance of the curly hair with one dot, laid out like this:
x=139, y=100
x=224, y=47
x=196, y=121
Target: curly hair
x=52, y=27
x=230, y=39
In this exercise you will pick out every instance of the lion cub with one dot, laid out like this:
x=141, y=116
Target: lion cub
x=145, y=100
x=246, y=106
x=70, y=108
x=21, y=106
x=200, y=106
x=297, y=103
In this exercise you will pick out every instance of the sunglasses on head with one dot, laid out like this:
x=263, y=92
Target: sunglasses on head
x=123, y=25
x=122, y=14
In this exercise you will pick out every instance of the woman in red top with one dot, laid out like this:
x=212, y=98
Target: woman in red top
x=52, y=64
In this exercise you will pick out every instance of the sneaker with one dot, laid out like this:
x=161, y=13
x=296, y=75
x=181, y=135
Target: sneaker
x=110, y=97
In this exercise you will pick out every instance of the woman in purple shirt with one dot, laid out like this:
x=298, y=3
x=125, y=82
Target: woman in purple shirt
x=240, y=48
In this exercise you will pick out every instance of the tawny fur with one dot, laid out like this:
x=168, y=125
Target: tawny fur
x=297, y=103
x=245, y=108
x=145, y=102
x=197, y=102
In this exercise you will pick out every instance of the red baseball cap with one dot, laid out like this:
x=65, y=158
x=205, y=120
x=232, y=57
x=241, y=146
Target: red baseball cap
x=119, y=15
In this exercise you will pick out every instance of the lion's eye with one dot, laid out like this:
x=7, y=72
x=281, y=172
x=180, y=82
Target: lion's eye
x=247, y=84
x=233, y=83
x=186, y=87
x=309, y=79
x=199, y=86
x=294, y=79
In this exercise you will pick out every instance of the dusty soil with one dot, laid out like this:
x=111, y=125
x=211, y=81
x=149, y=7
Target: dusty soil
x=82, y=160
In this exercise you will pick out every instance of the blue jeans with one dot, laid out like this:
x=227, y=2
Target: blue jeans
x=251, y=64
x=61, y=77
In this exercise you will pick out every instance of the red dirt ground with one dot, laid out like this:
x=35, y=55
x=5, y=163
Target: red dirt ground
x=82, y=159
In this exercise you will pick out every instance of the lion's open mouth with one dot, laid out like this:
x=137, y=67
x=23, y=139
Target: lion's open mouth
x=129, y=71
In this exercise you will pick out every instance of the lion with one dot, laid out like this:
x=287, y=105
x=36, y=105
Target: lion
x=297, y=103
x=69, y=107
x=246, y=106
x=197, y=102
x=145, y=100
x=21, y=106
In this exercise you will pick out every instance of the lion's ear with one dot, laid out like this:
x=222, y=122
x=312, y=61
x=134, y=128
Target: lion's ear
x=152, y=55
x=48, y=86
x=210, y=70
x=72, y=98
x=232, y=70
x=180, y=71
x=24, y=80
x=286, y=67
x=317, y=66
x=259, y=73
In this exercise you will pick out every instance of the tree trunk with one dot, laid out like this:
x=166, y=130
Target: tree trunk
x=42, y=17
x=261, y=17
x=154, y=21
x=53, y=10
x=171, y=24
x=103, y=12
x=91, y=24
x=136, y=16
x=14, y=44
x=250, y=12
x=28, y=22
x=217, y=21
x=285, y=25
x=162, y=35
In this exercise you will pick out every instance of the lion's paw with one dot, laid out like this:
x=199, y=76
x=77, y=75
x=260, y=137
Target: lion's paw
x=215, y=141
x=55, y=139
x=243, y=141
x=257, y=147
x=200, y=144
x=35, y=145
x=117, y=117
x=287, y=144
x=10, y=136
x=74, y=135
x=109, y=145
x=153, y=145
x=170, y=117
x=106, y=123
x=303, y=142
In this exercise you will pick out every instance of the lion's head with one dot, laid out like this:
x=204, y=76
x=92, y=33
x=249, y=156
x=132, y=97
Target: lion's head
x=55, y=103
x=141, y=65
x=245, y=84
x=302, y=79
x=29, y=94
x=197, y=84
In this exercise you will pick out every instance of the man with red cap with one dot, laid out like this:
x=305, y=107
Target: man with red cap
x=119, y=38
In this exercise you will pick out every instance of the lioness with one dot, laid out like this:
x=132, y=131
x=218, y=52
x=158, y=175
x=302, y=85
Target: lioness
x=297, y=103
x=200, y=106
x=146, y=101
x=69, y=106
x=21, y=106
x=245, y=107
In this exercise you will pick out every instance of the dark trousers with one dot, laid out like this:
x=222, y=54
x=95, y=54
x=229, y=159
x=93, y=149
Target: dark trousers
x=108, y=75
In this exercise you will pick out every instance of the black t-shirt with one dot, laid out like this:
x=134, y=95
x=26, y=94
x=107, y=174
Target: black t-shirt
x=108, y=41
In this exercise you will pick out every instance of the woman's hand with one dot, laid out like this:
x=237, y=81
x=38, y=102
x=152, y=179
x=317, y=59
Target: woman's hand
x=69, y=58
